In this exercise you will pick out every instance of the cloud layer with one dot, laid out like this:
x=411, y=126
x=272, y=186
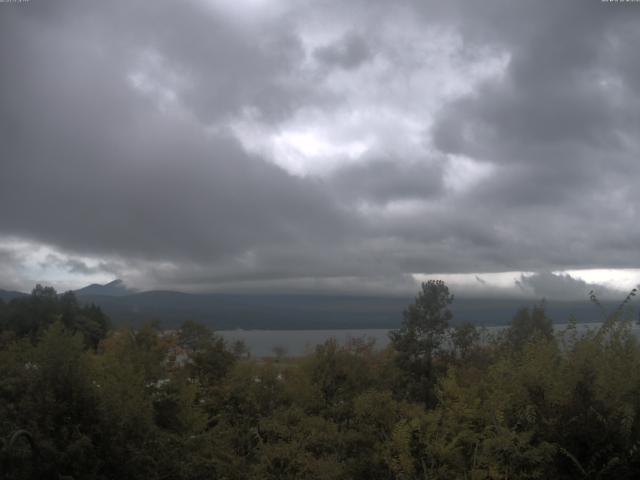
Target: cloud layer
x=325, y=145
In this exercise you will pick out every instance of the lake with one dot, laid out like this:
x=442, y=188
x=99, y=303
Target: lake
x=261, y=343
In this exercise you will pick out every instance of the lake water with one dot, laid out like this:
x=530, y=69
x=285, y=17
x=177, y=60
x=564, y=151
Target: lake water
x=261, y=343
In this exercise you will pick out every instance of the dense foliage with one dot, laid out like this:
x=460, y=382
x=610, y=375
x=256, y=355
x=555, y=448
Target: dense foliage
x=78, y=399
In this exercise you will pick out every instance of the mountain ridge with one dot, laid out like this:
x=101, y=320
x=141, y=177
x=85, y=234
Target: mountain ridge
x=228, y=311
x=301, y=312
x=8, y=295
x=115, y=288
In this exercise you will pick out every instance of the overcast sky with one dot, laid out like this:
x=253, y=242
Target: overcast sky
x=356, y=146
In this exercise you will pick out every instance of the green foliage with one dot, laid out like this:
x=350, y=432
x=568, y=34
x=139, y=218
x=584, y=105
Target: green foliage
x=29, y=317
x=465, y=339
x=528, y=326
x=209, y=358
x=419, y=339
x=147, y=403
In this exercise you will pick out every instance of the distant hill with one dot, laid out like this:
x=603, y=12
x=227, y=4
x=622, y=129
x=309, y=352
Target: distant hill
x=298, y=312
x=301, y=312
x=7, y=295
x=117, y=288
x=231, y=311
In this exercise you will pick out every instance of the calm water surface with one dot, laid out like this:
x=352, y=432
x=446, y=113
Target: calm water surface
x=262, y=343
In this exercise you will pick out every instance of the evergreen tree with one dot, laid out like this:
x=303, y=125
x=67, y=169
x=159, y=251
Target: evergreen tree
x=420, y=337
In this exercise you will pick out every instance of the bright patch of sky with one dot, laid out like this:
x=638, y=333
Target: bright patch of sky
x=623, y=279
x=154, y=79
x=462, y=173
x=385, y=103
x=34, y=263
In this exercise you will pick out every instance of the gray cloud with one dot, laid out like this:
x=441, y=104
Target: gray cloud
x=384, y=180
x=78, y=266
x=349, y=52
x=10, y=270
x=564, y=286
x=117, y=140
x=96, y=169
x=480, y=280
x=558, y=128
x=81, y=267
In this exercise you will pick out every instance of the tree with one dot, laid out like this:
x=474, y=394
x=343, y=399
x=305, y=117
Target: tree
x=464, y=338
x=420, y=337
x=527, y=326
x=209, y=358
x=32, y=315
x=280, y=351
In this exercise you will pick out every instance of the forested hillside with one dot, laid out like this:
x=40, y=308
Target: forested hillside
x=81, y=399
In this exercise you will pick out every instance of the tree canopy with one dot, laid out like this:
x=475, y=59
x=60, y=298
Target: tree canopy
x=438, y=403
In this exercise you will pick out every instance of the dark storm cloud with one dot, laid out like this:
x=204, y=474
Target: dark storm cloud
x=224, y=67
x=559, y=100
x=559, y=126
x=91, y=166
x=116, y=141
